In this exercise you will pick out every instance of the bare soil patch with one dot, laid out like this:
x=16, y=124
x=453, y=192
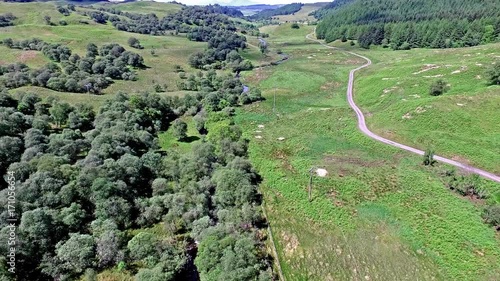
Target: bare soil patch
x=258, y=75
x=343, y=165
x=283, y=156
x=330, y=86
x=291, y=243
x=426, y=67
x=25, y=56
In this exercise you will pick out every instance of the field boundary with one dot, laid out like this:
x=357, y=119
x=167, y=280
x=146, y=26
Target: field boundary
x=273, y=246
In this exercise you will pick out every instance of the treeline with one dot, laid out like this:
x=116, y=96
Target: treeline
x=411, y=24
x=69, y=72
x=93, y=192
x=225, y=10
x=66, y=11
x=288, y=9
x=200, y=23
x=6, y=19
x=218, y=91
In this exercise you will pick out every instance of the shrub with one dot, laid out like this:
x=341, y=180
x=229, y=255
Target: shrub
x=493, y=74
x=405, y=46
x=429, y=158
x=179, y=128
x=492, y=215
x=159, y=88
x=134, y=43
x=438, y=88
x=295, y=25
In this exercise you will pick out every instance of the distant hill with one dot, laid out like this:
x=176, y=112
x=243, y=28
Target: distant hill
x=409, y=24
x=284, y=10
x=253, y=9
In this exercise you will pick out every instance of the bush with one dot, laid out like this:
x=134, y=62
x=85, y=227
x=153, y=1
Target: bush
x=134, y=43
x=438, y=88
x=404, y=46
x=179, y=128
x=429, y=158
x=492, y=215
x=159, y=88
x=295, y=25
x=493, y=74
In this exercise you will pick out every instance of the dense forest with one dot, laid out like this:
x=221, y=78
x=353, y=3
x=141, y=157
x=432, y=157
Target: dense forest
x=93, y=191
x=288, y=9
x=68, y=72
x=411, y=24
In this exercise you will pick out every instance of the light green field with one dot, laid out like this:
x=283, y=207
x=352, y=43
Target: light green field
x=169, y=50
x=161, y=9
x=463, y=124
x=379, y=214
x=168, y=141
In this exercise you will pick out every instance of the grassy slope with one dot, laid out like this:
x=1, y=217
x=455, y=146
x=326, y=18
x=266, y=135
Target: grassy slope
x=145, y=7
x=378, y=214
x=170, y=50
x=461, y=124
x=303, y=14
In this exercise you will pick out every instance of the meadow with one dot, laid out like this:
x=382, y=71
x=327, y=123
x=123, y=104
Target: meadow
x=303, y=14
x=379, y=214
x=462, y=124
x=160, y=53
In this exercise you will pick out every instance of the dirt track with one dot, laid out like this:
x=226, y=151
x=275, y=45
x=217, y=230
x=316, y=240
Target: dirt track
x=364, y=129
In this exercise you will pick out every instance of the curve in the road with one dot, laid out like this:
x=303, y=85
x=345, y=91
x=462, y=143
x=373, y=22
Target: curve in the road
x=364, y=129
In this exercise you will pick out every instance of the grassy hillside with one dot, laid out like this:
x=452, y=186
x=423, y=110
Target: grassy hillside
x=461, y=124
x=283, y=10
x=303, y=15
x=145, y=7
x=168, y=50
x=378, y=214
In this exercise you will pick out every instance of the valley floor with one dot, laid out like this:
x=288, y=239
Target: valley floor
x=378, y=214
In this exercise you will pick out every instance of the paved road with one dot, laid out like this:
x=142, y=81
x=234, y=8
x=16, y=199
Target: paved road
x=362, y=123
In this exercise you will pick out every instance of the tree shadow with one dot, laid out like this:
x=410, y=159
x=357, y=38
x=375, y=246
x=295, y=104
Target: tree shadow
x=190, y=139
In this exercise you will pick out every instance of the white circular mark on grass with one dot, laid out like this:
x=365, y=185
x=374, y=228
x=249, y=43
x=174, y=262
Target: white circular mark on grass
x=281, y=138
x=260, y=126
x=258, y=137
x=321, y=172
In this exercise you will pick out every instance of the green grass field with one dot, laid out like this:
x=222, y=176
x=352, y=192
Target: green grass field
x=303, y=13
x=168, y=50
x=378, y=214
x=461, y=124
x=161, y=9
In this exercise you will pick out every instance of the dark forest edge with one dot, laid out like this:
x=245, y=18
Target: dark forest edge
x=410, y=24
x=288, y=9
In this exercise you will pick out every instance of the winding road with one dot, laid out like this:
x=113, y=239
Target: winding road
x=364, y=129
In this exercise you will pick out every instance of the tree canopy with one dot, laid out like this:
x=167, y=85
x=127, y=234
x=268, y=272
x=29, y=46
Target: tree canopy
x=411, y=24
x=85, y=180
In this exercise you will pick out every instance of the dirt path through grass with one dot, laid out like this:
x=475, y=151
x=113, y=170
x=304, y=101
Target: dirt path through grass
x=364, y=129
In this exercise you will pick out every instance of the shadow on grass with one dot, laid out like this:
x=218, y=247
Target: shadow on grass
x=190, y=139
